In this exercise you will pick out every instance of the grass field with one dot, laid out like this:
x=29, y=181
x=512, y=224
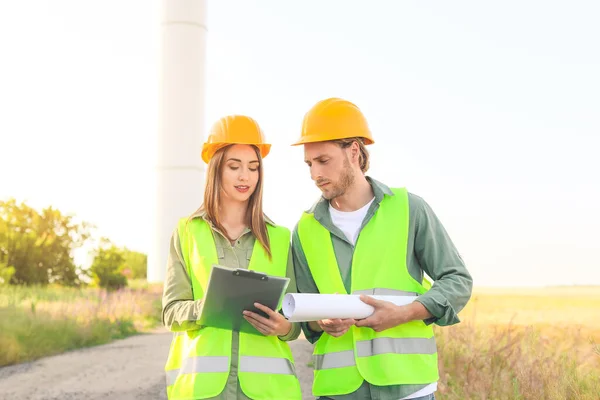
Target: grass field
x=523, y=344
x=512, y=343
x=41, y=321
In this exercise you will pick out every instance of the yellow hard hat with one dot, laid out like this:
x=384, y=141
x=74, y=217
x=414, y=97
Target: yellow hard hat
x=333, y=119
x=234, y=129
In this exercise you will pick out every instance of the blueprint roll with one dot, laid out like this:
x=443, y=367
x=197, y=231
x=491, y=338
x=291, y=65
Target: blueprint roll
x=304, y=307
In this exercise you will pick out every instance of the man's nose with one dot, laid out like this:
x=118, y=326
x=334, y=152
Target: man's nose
x=315, y=173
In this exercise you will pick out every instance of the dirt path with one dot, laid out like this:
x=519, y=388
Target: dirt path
x=127, y=369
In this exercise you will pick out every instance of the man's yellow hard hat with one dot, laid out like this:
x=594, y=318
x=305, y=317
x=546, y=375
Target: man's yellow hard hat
x=333, y=119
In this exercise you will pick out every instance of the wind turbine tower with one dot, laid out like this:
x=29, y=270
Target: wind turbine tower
x=179, y=168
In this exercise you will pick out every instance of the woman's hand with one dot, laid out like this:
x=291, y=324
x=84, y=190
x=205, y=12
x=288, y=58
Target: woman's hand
x=275, y=325
x=336, y=327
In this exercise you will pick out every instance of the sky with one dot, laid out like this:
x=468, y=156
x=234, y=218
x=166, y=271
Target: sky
x=490, y=111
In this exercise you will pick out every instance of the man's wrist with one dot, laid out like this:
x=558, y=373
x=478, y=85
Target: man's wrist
x=417, y=311
x=411, y=312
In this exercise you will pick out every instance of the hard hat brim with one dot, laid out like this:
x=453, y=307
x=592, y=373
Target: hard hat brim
x=319, y=138
x=209, y=149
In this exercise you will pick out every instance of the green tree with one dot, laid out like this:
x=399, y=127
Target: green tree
x=6, y=273
x=39, y=245
x=135, y=264
x=107, y=267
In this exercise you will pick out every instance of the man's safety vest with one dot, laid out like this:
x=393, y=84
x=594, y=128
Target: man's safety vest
x=199, y=360
x=406, y=354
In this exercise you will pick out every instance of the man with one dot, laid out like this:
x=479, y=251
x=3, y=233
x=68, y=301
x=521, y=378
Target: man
x=364, y=238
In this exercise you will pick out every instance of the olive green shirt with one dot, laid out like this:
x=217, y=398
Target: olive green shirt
x=179, y=309
x=429, y=251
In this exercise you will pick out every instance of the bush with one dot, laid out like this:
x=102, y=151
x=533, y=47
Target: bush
x=108, y=265
x=6, y=273
x=135, y=263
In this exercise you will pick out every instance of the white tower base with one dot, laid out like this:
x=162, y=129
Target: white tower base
x=180, y=170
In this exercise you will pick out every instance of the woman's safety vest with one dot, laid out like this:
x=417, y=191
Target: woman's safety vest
x=199, y=360
x=406, y=354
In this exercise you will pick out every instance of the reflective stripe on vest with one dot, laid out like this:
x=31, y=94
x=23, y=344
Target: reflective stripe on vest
x=367, y=348
x=260, y=365
x=385, y=292
x=196, y=365
x=266, y=365
x=199, y=360
x=405, y=354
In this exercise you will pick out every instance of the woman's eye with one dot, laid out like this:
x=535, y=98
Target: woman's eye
x=234, y=168
x=254, y=170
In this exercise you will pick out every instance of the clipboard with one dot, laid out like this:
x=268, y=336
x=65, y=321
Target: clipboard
x=231, y=291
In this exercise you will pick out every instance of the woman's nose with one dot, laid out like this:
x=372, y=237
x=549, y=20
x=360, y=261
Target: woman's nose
x=243, y=174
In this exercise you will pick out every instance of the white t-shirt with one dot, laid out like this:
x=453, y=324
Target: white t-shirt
x=349, y=222
x=427, y=390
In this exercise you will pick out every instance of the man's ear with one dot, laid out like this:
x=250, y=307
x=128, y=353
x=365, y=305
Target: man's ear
x=355, y=151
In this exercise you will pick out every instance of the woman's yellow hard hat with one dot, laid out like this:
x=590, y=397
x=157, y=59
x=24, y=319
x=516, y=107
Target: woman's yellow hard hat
x=234, y=129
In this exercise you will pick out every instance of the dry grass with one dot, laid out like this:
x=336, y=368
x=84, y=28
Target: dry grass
x=40, y=321
x=512, y=344
x=523, y=344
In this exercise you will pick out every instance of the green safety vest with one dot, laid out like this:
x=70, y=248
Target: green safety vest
x=199, y=360
x=406, y=354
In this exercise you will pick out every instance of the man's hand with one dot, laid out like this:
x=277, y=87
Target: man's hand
x=275, y=325
x=336, y=327
x=388, y=315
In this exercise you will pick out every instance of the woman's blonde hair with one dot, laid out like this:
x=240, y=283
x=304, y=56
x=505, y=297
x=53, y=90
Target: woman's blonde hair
x=212, y=199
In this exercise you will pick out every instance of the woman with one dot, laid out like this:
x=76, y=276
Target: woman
x=229, y=229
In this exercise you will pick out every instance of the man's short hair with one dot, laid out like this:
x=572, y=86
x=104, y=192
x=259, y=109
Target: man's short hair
x=363, y=157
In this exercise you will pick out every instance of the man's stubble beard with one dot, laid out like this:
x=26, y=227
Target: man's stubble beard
x=346, y=180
